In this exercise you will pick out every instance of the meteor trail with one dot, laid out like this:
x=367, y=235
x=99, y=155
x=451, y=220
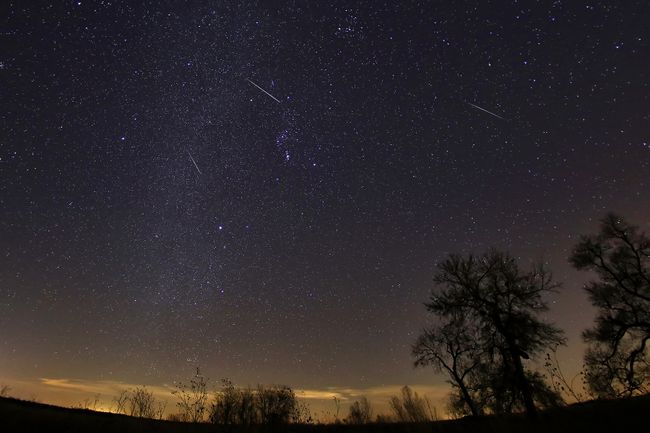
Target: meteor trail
x=194, y=162
x=488, y=112
x=274, y=98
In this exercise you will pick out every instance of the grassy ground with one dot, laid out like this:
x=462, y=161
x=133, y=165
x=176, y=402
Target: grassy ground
x=630, y=415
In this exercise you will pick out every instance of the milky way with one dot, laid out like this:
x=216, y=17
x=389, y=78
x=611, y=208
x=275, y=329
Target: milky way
x=159, y=212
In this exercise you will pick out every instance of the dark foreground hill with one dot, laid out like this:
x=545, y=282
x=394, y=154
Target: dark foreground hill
x=625, y=415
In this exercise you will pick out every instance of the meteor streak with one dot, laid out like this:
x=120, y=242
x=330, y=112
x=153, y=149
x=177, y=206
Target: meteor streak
x=488, y=112
x=274, y=98
x=194, y=162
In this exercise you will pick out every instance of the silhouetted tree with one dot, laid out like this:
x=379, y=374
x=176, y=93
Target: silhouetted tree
x=503, y=303
x=453, y=348
x=142, y=403
x=360, y=412
x=277, y=404
x=193, y=398
x=410, y=407
x=617, y=360
x=498, y=390
x=233, y=406
x=247, y=412
x=138, y=402
x=272, y=405
x=121, y=400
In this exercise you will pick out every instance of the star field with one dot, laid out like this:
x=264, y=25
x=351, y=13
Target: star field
x=159, y=211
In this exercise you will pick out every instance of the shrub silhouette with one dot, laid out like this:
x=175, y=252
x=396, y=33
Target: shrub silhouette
x=410, y=407
x=193, y=404
x=271, y=405
x=360, y=412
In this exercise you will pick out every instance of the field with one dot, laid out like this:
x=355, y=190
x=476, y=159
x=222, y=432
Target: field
x=626, y=415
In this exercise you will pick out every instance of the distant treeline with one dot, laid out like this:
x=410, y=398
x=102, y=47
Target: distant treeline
x=262, y=405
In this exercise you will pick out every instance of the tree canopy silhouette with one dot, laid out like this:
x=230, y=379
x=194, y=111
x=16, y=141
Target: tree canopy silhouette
x=453, y=348
x=617, y=362
x=488, y=313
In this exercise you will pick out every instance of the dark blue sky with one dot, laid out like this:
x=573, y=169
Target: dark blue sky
x=159, y=211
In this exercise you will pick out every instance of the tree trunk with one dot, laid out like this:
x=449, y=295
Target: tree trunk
x=524, y=384
x=468, y=399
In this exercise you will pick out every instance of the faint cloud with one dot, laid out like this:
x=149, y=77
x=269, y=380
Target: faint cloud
x=319, y=394
x=103, y=387
x=376, y=393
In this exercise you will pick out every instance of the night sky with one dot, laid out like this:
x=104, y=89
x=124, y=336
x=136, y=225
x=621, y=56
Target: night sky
x=263, y=189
